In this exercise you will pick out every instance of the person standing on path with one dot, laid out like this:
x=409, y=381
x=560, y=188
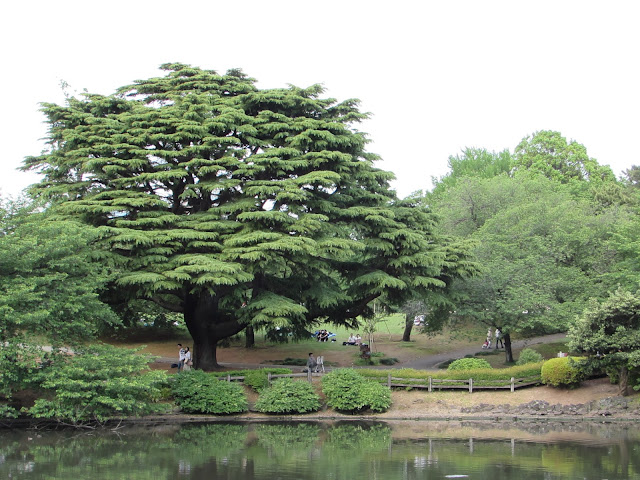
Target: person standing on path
x=499, y=338
x=311, y=362
x=187, y=359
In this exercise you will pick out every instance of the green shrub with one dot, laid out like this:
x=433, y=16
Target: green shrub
x=348, y=391
x=7, y=411
x=468, y=364
x=99, y=383
x=529, y=355
x=195, y=391
x=258, y=380
x=288, y=396
x=562, y=372
x=376, y=396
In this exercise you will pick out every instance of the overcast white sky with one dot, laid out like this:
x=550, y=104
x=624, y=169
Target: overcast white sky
x=438, y=76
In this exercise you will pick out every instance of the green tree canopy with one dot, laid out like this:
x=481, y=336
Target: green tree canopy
x=542, y=251
x=237, y=206
x=50, y=279
x=609, y=331
x=473, y=162
x=549, y=153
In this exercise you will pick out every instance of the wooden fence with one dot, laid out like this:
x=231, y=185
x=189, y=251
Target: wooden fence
x=430, y=384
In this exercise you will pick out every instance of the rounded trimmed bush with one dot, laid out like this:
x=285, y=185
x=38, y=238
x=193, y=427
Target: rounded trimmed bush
x=562, y=372
x=288, y=396
x=528, y=355
x=258, y=380
x=195, y=391
x=468, y=364
x=348, y=391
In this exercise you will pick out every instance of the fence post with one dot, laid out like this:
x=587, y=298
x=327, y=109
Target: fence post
x=389, y=380
x=430, y=385
x=471, y=385
x=309, y=375
x=513, y=386
x=269, y=378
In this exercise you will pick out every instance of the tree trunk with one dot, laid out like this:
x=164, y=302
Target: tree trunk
x=507, y=347
x=207, y=327
x=408, y=326
x=250, y=337
x=623, y=383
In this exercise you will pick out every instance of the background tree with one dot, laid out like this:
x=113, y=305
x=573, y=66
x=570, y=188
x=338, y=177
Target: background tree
x=549, y=153
x=476, y=163
x=542, y=252
x=609, y=331
x=50, y=280
x=236, y=206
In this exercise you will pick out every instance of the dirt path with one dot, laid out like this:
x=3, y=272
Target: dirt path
x=423, y=362
x=431, y=362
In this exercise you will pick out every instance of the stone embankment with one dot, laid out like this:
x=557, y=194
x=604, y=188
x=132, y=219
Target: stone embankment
x=608, y=407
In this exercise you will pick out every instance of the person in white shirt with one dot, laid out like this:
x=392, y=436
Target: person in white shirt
x=187, y=359
x=180, y=358
x=499, y=339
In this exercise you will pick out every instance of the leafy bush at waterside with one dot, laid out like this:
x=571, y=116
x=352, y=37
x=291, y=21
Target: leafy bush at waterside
x=528, y=355
x=195, y=391
x=562, y=372
x=286, y=395
x=258, y=380
x=99, y=383
x=468, y=364
x=348, y=391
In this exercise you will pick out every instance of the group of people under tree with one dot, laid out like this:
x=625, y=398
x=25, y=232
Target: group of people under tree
x=322, y=335
x=353, y=340
x=498, y=335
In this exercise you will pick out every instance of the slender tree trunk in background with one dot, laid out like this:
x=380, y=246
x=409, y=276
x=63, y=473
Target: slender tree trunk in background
x=408, y=326
x=623, y=383
x=249, y=337
x=507, y=347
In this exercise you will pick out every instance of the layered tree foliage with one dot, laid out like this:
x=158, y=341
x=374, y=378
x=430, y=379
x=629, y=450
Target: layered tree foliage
x=609, y=331
x=237, y=206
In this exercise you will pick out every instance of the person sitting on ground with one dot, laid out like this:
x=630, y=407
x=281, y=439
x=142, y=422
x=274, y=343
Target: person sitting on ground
x=311, y=362
x=351, y=340
x=358, y=339
x=323, y=336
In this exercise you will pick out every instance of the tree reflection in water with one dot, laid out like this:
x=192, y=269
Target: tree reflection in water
x=339, y=450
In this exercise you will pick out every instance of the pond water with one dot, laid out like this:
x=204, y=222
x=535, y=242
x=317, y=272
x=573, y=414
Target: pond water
x=329, y=450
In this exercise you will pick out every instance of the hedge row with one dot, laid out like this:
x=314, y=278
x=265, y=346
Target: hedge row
x=527, y=371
